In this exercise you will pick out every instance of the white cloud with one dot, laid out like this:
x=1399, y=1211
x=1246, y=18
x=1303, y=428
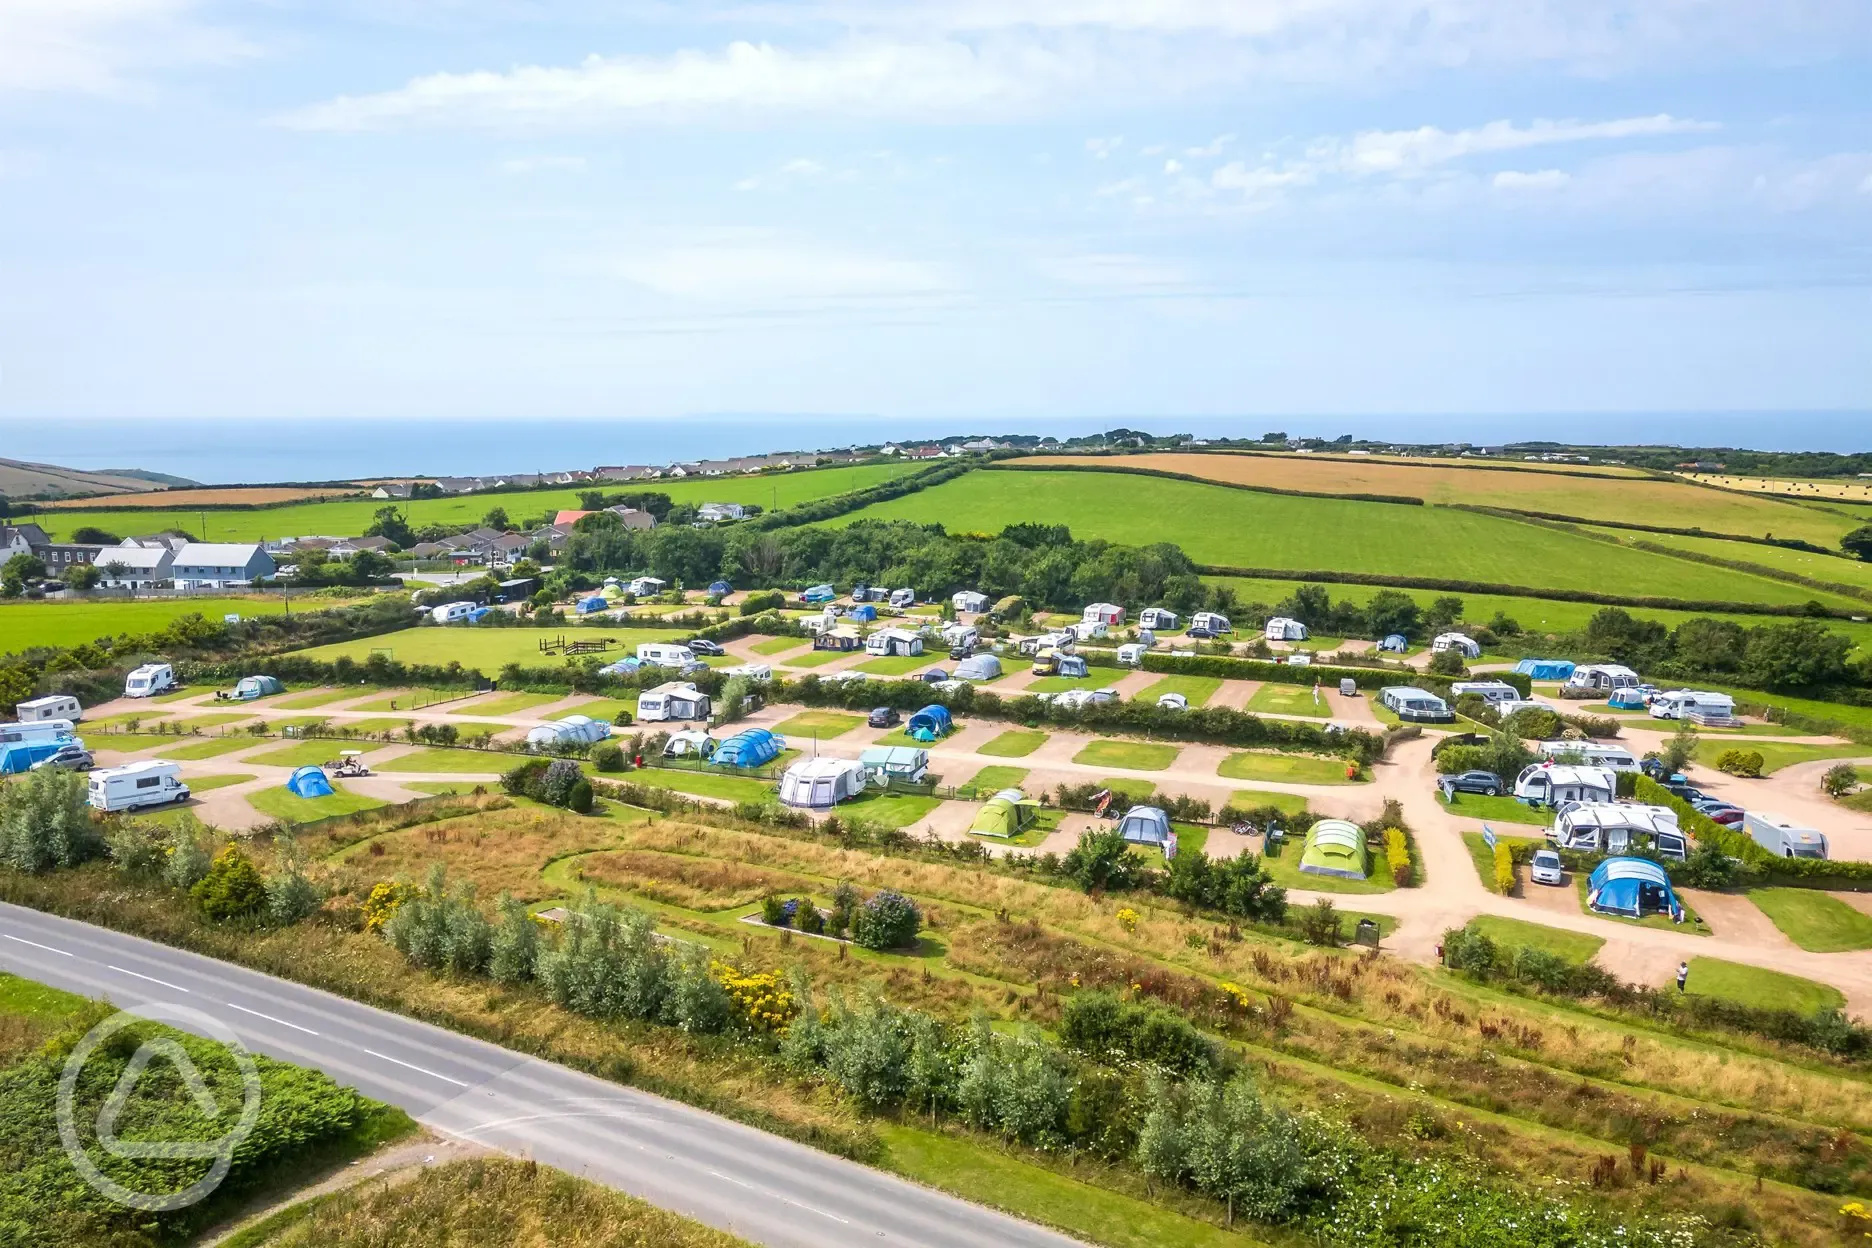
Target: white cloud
x=1236, y=176
x=1406, y=151
x=93, y=46
x=1123, y=186
x=1542, y=180
x=1173, y=166
x=1099, y=149
x=521, y=165
x=1210, y=149
x=738, y=266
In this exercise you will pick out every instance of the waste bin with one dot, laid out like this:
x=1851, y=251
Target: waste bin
x=1366, y=933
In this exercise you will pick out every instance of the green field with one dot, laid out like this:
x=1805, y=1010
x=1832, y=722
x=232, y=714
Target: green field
x=891, y=810
x=1813, y=920
x=1285, y=870
x=1014, y=743
x=280, y=804
x=1835, y=569
x=1779, y=754
x=823, y=725
x=897, y=664
x=1576, y=947
x=211, y=747
x=991, y=780
x=815, y=658
x=319, y=697
x=1273, y=699
x=606, y=709
x=26, y=624
x=1250, y=799
x=1129, y=755
x=412, y=699
x=208, y=784
x=1763, y=989
x=1198, y=689
x=1498, y=809
x=702, y=784
x=301, y=754
x=350, y=517
x=780, y=645
x=486, y=650
x=469, y=762
x=1283, y=768
x=505, y=704
x=1208, y=522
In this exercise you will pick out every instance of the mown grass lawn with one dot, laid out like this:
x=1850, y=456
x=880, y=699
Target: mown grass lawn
x=505, y=704
x=208, y=784
x=897, y=664
x=1273, y=699
x=222, y=720
x=1198, y=689
x=780, y=645
x=1249, y=799
x=208, y=747
x=1578, y=948
x=314, y=753
x=25, y=625
x=1014, y=743
x=382, y=723
x=815, y=658
x=1779, y=754
x=606, y=709
x=1136, y=790
x=823, y=725
x=1284, y=869
x=991, y=780
x=412, y=699
x=701, y=784
x=1813, y=920
x=1099, y=678
x=470, y=762
x=888, y=809
x=1760, y=988
x=1130, y=755
x=1484, y=858
x=317, y=698
x=1495, y=809
x=1285, y=768
x=280, y=804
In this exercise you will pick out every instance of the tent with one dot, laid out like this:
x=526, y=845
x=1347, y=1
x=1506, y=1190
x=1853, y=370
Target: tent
x=978, y=667
x=597, y=602
x=1147, y=825
x=720, y=589
x=690, y=744
x=572, y=730
x=752, y=747
x=864, y=612
x=1008, y=813
x=1631, y=886
x=1545, y=669
x=623, y=667
x=1336, y=847
x=904, y=763
x=1072, y=665
x=1396, y=643
x=819, y=593
x=308, y=782
x=821, y=782
x=251, y=687
x=930, y=723
x=1630, y=698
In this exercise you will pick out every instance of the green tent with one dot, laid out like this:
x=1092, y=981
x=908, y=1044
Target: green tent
x=1335, y=847
x=1008, y=813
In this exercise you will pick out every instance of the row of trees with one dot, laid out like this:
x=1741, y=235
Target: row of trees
x=1795, y=655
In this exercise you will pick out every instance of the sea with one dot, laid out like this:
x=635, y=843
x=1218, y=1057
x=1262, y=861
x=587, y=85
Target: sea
x=223, y=452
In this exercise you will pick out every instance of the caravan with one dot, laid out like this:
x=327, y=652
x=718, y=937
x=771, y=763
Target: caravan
x=152, y=782
x=1700, y=707
x=675, y=701
x=56, y=706
x=1280, y=628
x=149, y=680
x=889, y=642
x=1551, y=784
x=820, y=783
x=1415, y=706
x=1157, y=617
x=452, y=612
x=1617, y=828
x=1600, y=678
x=1462, y=643
x=665, y=654
x=22, y=745
x=1494, y=692
x=968, y=602
x=1589, y=754
x=1211, y=622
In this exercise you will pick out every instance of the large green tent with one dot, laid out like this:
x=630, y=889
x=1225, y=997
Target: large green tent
x=1336, y=847
x=1008, y=813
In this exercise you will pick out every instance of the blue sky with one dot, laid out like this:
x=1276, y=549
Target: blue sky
x=1002, y=208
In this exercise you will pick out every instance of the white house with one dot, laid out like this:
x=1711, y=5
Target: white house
x=1157, y=617
x=715, y=513
x=215, y=565
x=133, y=567
x=1106, y=613
x=1280, y=628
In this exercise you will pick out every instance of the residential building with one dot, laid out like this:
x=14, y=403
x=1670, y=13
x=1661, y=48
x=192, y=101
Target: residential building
x=715, y=513
x=633, y=518
x=391, y=489
x=134, y=567
x=214, y=565
x=21, y=539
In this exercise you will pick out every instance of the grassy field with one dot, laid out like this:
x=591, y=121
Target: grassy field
x=210, y=747
x=1779, y=754
x=505, y=704
x=315, y=698
x=991, y=780
x=1578, y=948
x=1813, y=920
x=25, y=624
x=606, y=709
x=1639, y=500
x=1763, y=989
x=486, y=650
x=349, y=517
x=1284, y=768
x=1273, y=699
x=1014, y=743
x=897, y=664
x=813, y=658
x=1208, y=521
x=1198, y=689
x=1836, y=569
x=780, y=645
x=1129, y=755
x=1249, y=799
x=703, y=784
x=412, y=700
x=281, y=804
x=208, y=784
x=300, y=754
x=821, y=724
x=1285, y=870
x=892, y=810
x=1496, y=809
x=468, y=762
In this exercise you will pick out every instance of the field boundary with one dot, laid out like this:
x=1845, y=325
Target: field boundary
x=1642, y=472
x=1402, y=500
x=1515, y=513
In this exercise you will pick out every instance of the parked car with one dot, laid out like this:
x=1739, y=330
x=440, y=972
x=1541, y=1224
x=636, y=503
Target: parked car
x=1199, y=634
x=1546, y=868
x=934, y=675
x=1655, y=769
x=885, y=717
x=1173, y=702
x=961, y=651
x=66, y=758
x=1486, y=783
x=1729, y=816
x=1688, y=792
x=702, y=645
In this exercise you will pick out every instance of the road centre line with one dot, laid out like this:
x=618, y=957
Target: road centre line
x=269, y=1018
x=418, y=1069
x=162, y=983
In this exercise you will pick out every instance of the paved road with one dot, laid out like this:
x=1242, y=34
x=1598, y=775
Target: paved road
x=759, y=1186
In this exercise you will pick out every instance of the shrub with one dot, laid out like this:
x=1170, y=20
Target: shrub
x=774, y=912
x=1504, y=869
x=232, y=888
x=1397, y=851
x=607, y=756
x=810, y=919
x=46, y=823
x=1107, y=1028
x=1320, y=924
x=1708, y=867
x=290, y=897
x=1840, y=780
x=386, y=897
x=1103, y=859
x=757, y=604
x=889, y=920
x=580, y=800
x=1740, y=762
x=561, y=776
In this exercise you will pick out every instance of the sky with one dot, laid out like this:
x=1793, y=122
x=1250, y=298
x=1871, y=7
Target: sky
x=931, y=210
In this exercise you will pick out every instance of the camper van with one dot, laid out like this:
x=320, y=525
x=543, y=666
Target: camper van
x=1693, y=704
x=1556, y=784
x=1783, y=837
x=149, y=680
x=673, y=702
x=665, y=654
x=901, y=598
x=1609, y=828
x=452, y=613
x=1590, y=754
x=56, y=706
x=152, y=782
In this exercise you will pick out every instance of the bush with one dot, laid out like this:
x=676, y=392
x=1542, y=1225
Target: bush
x=757, y=604
x=773, y=912
x=1102, y=860
x=889, y=920
x=579, y=801
x=1740, y=762
x=1397, y=851
x=1840, y=780
x=1708, y=867
x=45, y=822
x=1504, y=869
x=607, y=756
x=1320, y=924
x=232, y=888
x=1108, y=1029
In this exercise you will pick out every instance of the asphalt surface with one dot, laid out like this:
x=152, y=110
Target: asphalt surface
x=759, y=1186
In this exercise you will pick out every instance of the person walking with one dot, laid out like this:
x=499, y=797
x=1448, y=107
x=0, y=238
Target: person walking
x=1683, y=975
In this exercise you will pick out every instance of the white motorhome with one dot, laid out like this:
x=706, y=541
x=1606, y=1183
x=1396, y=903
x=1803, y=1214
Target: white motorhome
x=673, y=702
x=1617, y=828
x=903, y=598
x=149, y=680
x=1214, y=621
x=1699, y=705
x=1556, y=784
x=152, y=782
x=1606, y=677
x=1784, y=838
x=1047, y=641
x=53, y=706
x=1589, y=754
x=452, y=612
x=1494, y=692
x=665, y=654
x=35, y=731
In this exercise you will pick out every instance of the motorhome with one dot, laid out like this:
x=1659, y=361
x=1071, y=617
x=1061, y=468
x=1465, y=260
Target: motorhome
x=901, y=598
x=152, y=782
x=1046, y=641
x=1556, y=784
x=1214, y=621
x=1601, y=678
x=1699, y=706
x=758, y=673
x=54, y=706
x=452, y=612
x=149, y=680
x=1494, y=692
x=1783, y=837
x=1619, y=828
x=665, y=654
x=867, y=593
x=673, y=701
x=1589, y=754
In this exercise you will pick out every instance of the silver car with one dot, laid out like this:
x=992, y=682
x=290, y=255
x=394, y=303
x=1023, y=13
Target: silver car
x=1547, y=868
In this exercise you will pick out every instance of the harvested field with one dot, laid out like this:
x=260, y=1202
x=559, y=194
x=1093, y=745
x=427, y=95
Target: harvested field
x=257, y=496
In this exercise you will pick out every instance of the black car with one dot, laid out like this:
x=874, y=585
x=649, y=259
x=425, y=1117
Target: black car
x=1486, y=783
x=885, y=717
x=1199, y=634
x=961, y=651
x=702, y=645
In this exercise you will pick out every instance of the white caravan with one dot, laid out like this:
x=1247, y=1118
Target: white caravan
x=665, y=654
x=149, y=680
x=54, y=706
x=1590, y=754
x=1617, y=828
x=152, y=782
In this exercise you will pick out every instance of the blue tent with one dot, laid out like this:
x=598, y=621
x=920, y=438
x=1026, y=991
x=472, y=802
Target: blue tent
x=930, y=723
x=479, y=613
x=720, y=589
x=750, y=748
x=597, y=602
x=309, y=782
x=1545, y=669
x=820, y=593
x=1631, y=887
x=864, y=611
x=19, y=756
x=1397, y=643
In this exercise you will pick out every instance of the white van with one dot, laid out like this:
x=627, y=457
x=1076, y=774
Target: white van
x=1693, y=704
x=452, y=612
x=149, y=680
x=54, y=706
x=1590, y=754
x=1783, y=837
x=903, y=598
x=665, y=654
x=152, y=782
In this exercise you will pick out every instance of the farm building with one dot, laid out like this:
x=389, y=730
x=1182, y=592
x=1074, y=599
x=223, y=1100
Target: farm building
x=1467, y=646
x=894, y=641
x=1336, y=847
x=1108, y=614
x=691, y=744
x=1157, y=617
x=821, y=783
x=215, y=565
x=967, y=600
x=1280, y=628
x=673, y=701
x=572, y=730
x=1394, y=643
x=308, y=782
x=1632, y=887
x=1415, y=705
x=1545, y=669
x=901, y=764
x=978, y=667
x=647, y=586
x=930, y=724
x=1214, y=621
x=1007, y=814
x=753, y=747
x=1148, y=825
